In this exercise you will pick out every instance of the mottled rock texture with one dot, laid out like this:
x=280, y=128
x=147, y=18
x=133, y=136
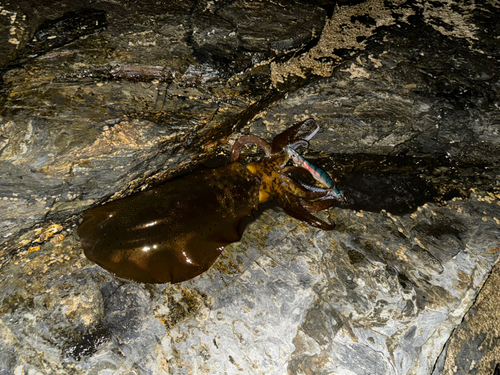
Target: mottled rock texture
x=102, y=99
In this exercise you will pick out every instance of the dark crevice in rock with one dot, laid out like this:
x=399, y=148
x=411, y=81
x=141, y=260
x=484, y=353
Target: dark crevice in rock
x=52, y=34
x=397, y=194
x=400, y=184
x=88, y=344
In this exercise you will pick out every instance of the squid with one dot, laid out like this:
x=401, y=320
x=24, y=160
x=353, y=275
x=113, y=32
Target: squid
x=176, y=231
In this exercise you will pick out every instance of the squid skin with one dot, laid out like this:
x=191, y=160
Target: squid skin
x=176, y=231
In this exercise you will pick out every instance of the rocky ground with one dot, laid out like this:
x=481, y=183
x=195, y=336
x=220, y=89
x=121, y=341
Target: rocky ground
x=101, y=100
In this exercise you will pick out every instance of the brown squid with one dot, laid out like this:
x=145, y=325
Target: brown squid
x=176, y=231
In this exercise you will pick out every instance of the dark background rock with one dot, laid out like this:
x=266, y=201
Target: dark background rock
x=101, y=99
x=237, y=35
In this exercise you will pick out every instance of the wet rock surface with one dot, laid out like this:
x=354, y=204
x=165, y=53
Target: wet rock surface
x=101, y=101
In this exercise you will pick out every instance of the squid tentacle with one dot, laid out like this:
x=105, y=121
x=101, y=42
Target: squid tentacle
x=332, y=193
x=327, y=194
x=236, y=150
x=301, y=142
x=313, y=133
x=317, y=206
x=288, y=136
x=293, y=207
x=296, y=189
x=296, y=169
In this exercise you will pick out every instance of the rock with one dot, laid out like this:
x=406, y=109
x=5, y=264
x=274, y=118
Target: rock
x=237, y=35
x=128, y=95
x=473, y=346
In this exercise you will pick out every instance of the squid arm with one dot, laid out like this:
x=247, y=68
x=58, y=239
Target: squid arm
x=317, y=206
x=293, y=207
x=236, y=150
x=299, y=190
